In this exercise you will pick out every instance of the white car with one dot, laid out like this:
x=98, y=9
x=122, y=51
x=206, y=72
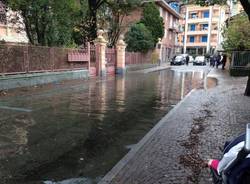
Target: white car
x=199, y=60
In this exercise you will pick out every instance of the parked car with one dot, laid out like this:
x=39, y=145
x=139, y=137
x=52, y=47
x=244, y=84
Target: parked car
x=178, y=60
x=199, y=60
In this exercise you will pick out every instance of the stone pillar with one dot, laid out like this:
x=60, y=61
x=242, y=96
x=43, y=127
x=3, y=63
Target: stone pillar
x=120, y=56
x=159, y=51
x=100, y=44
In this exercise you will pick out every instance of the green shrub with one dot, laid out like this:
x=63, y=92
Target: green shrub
x=153, y=21
x=237, y=34
x=139, y=38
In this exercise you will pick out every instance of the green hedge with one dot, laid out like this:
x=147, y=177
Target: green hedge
x=239, y=72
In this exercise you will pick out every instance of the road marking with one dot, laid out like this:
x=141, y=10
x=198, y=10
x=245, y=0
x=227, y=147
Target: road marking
x=15, y=109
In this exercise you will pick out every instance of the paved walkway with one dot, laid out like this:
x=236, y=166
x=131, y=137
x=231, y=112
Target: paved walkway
x=163, y=66
x=172, y=152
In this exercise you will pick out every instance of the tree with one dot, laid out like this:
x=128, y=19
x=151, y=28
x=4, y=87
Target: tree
x=94, y=5
x=118, y=10
x=153, y=21
x=47, y=22
x=236, y=34
x=246, y=6
x=139, y=38
x=103, y=14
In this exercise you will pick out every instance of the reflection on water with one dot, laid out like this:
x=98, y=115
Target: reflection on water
x=81, y=130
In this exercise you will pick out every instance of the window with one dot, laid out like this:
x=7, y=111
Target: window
x=192, y=27
x=215, y=27
x=183, y=39
x=204, y=27
x=206, y=14
x=191, y=39
x=166, y=33
x=204, y=39
x=193, y=15
x=171, y=21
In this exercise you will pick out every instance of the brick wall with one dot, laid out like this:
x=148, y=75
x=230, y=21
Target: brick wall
x=132, y=58
x=28, y=59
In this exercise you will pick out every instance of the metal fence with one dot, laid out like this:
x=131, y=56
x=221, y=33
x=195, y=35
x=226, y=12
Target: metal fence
x=92, y=55
x=110, y=56
x=240, y=60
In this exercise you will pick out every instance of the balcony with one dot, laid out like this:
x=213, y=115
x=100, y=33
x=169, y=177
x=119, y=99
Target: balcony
x=214, y=43
x=214, y=32
x=196, y=44
x=216, y=19
x=176, y=28
x=198, y=20
x=198, y=32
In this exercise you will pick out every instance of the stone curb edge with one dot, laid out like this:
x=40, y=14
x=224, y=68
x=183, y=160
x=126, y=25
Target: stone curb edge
x=118, y=167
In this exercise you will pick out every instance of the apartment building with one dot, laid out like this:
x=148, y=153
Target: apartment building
x=169, y=43
x=10, y=32
x=202, y=28
x=235, y=7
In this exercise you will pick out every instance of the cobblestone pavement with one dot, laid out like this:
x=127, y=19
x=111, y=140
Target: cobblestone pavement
x=193, y=131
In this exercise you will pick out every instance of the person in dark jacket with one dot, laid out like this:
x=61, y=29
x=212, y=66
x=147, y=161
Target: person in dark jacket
x=218, y=60
x=224, y=60
x=214, y=59
x=187, y=60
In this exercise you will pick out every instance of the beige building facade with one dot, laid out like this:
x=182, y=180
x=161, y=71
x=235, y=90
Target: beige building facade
x=169, y=43
x=235, y=7
x=202, y=28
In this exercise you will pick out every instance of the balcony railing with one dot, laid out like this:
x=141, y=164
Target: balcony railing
x=176, y=27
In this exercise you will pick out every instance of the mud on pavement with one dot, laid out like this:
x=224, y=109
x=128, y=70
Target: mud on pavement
x=192, y=159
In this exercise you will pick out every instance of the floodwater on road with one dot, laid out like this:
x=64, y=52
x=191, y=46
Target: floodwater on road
x=75, y=132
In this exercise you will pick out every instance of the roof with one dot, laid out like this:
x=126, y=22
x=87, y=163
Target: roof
x=167, y=7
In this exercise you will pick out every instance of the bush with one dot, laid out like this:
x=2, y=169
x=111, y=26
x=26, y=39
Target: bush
x=153, y=21
x=237, y=34
x=139, y=38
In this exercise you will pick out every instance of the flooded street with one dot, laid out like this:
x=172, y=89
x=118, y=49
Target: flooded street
x=81, y=129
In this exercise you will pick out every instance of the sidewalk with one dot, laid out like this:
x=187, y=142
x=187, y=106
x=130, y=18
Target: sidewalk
x=193, y=131
x=153, y=69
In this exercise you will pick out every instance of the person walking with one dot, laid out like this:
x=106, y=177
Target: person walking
x=187, y=60
x=218, y=60
x=214, y=59
x=224, y=61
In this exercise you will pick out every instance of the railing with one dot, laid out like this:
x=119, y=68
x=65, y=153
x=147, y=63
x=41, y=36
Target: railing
x=79, y=55
x=92, y=55
x=241, y=60
x=110, y=56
